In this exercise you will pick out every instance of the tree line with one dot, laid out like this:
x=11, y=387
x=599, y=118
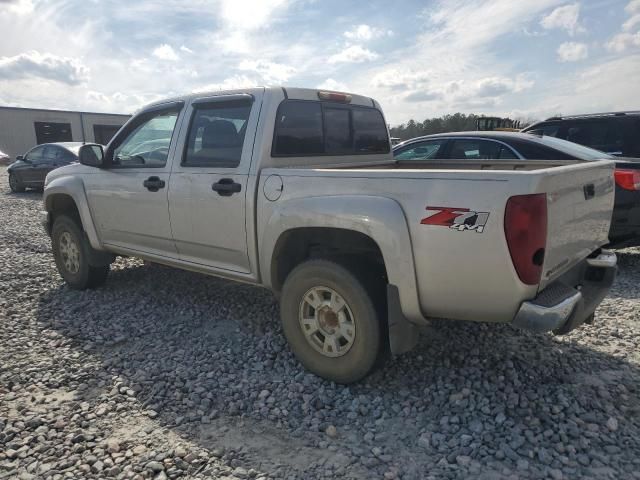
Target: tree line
x=457, y=122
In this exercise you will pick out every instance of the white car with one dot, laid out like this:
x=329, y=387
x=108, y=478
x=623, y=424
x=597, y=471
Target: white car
x=297, y=190
x=4, y=158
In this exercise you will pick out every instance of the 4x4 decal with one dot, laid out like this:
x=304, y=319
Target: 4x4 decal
x=457, y=218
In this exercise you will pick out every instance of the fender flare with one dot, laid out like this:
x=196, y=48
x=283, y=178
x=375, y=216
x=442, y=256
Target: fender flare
x=380, y=218
x=73, y=187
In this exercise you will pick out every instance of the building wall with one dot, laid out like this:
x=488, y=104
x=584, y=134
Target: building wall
x=18, y=134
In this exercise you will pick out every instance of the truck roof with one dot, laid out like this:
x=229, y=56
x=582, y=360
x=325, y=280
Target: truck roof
x=293, y=93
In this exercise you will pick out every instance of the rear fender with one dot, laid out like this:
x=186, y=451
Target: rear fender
x=381, y=219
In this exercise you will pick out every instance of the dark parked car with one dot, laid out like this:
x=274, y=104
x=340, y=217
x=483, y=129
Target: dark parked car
x=625, y=224
x=615, y=133
x=29, y=170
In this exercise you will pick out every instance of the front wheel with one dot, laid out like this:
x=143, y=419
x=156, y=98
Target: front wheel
x=70, y=250
x=331, y=321
x=14, y=184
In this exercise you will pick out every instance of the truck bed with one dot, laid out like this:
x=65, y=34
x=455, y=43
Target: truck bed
x=486, y=280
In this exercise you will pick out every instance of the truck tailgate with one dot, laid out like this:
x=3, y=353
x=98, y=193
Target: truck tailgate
x=579, y=206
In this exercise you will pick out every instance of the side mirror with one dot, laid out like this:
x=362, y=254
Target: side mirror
x=91, y=155
x=20, y=157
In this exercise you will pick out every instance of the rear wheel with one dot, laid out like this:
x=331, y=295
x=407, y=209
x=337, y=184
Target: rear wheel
x=331, y=321
x=14, y=184
x=70, y=250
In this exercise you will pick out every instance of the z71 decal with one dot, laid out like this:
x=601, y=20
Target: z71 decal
x=457, y=218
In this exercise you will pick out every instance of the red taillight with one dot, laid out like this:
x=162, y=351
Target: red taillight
x=525, y=227
x=335, y=97
x=627, y=179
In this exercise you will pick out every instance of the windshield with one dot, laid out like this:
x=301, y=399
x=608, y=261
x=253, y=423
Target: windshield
x=574, y=149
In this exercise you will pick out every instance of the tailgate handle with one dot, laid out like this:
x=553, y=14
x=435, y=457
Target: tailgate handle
x=589, y=191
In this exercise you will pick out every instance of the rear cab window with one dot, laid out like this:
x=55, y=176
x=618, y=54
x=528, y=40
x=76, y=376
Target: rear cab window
x=314, y=128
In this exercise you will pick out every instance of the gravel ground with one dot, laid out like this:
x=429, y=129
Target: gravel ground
x=169, y=374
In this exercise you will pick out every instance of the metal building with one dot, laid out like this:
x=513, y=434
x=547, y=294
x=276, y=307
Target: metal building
x=23, y=128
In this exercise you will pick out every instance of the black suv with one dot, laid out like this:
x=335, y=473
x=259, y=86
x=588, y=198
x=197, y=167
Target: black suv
x=615, y=133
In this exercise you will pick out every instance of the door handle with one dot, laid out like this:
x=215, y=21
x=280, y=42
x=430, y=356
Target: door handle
x=226, y=187
x=153, y=184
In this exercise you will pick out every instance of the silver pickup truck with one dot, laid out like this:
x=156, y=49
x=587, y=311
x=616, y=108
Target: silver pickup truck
x=296, y=190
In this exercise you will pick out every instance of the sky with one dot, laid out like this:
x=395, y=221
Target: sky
x=527, y=58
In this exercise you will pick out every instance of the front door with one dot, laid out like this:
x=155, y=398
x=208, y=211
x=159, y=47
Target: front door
x=128, y=198
x=32, y=161
x=208, y=192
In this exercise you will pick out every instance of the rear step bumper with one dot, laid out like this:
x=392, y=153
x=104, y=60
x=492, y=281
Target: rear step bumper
x=571, y=300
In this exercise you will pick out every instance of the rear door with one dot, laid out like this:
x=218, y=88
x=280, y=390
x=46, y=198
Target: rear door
x=45, y=165
x=34, y=158
x=579, y=205
x=208, y=195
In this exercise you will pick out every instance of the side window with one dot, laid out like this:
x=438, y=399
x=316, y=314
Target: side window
x=299, y=129
x=50, y=153
x=550, y=130
x=146, y=142
x=65, y=156
x=422, y=151
x=533, y=151
x=604, y=136
x=216, y=134
x=473, y=149
x=507, y=154
x=35, y=155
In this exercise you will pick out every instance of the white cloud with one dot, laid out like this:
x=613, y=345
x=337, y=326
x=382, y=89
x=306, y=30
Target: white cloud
x=34, y=64
x=186, y=49
x=496, y=86
x=249, y=14
x=423, y=96
x=483, y=92
x=396, y=79
x=632, y=22
x=118, y=101
x=566, y=18
x=353, y=54
x=231, y=83
x=620, y=42
x=19, y=7
x=365, y=32
x=633, y=6
x=334, y=85
x=271, y=72
x=165, y=52
x=627, y=38
x=572, y=52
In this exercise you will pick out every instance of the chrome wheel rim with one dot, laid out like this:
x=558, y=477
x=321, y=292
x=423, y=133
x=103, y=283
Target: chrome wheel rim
x=70, y=253
x=327, y=322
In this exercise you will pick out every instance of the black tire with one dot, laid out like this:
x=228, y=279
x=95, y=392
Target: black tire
x=81, y=275
x=14, y=184
x=367, y=346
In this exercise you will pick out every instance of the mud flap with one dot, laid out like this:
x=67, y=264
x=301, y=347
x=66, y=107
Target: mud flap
x=97, y=258
x=403, y=335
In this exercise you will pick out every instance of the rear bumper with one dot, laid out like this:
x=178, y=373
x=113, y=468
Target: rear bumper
x=572, y=299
